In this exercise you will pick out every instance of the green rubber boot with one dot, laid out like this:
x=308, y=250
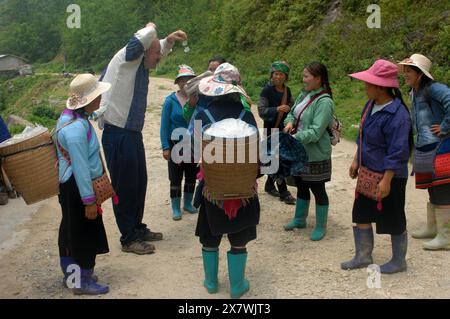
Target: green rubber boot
x=176, y=212
x=236, y=273
x=301, y=212
x=321, y=223
x=211, y=268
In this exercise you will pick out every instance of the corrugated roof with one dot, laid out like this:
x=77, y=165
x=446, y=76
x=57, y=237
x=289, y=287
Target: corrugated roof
x=18, y=57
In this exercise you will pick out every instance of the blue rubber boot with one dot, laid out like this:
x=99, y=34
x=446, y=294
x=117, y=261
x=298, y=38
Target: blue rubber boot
x=88, y=285
x=176, y=212
x=363, y=249
x=65, y=262
x=211, y=268
x=321, y=223
x=301, y=212
x=188, y=203
x=236, y=273
x=398, y=261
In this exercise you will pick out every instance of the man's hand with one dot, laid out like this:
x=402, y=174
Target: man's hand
x=90, y=211
x=166, y=154
x=151, y=24
x=176, y=36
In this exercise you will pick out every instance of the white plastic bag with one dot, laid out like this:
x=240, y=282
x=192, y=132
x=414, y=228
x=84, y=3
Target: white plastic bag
x=231, y=128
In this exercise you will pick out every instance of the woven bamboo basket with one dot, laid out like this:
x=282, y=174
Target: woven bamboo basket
x=31, y=166
x=235, y=176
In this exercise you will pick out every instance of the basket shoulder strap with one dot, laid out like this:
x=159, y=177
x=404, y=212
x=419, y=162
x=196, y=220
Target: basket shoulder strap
x=241, y=116
x=209, y=115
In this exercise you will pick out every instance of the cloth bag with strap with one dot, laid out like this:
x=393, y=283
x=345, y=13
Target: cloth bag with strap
x=368, y=180
x=102, y=186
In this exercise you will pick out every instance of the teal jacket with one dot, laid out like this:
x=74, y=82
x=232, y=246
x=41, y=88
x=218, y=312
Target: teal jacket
x=315, y=121
x=80, y=141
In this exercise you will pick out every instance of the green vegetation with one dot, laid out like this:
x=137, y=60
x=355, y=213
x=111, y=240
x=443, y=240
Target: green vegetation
x=38, y=99
x=250, y=34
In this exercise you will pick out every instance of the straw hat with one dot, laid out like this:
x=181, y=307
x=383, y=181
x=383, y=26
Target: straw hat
x=382, y=73
x=83, y=90
x=226, y=80
x=417, y=60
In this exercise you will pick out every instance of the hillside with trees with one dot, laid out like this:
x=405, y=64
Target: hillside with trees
x=251, y=34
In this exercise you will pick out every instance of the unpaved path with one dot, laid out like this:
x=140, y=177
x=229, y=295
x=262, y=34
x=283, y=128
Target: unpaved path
x=280, y=264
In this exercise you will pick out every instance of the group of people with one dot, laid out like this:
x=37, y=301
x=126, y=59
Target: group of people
x=385, y=143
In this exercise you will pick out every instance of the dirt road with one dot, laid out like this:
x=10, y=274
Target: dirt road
x=280, y=264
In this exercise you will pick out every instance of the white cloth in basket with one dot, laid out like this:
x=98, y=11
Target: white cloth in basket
x=231, y=128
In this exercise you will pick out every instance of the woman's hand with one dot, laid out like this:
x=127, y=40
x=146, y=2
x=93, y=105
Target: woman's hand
x=90, y=211
x=384, y=187
x=436, y=129
x=284, y=108
x=353, y=171
x=166, y=154
x=193, y=100
x=288, y=128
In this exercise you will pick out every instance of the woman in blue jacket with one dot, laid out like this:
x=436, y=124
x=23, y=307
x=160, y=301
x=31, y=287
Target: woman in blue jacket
x=82, y=234
x=431, y=119
x=384, y=145
x=171, y=120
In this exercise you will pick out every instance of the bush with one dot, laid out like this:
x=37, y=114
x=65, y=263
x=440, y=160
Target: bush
x=44, y=111
x=16, y=129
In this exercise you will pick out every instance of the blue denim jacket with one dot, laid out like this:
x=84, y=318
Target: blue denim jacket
x=385, y=142
x=424, y=115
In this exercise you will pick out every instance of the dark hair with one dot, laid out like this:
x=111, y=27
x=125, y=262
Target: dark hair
x=318, y=69
x=217, y=58
x=232, y=98
x=79, y=112
x=425, y=81
x=396, y=93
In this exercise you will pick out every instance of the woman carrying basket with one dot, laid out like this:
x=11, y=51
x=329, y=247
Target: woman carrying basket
x=431, y=164
x=82, y=234
x=236, y=218
x=308, y=122
x=381, y=165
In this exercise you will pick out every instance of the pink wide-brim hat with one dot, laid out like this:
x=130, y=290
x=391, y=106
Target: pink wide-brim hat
x=382, y=73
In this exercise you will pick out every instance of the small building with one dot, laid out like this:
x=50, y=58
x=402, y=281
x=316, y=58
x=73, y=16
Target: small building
x=11, y=65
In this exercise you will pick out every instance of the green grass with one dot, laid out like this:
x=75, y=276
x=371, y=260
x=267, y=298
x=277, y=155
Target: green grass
x=16, y=129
